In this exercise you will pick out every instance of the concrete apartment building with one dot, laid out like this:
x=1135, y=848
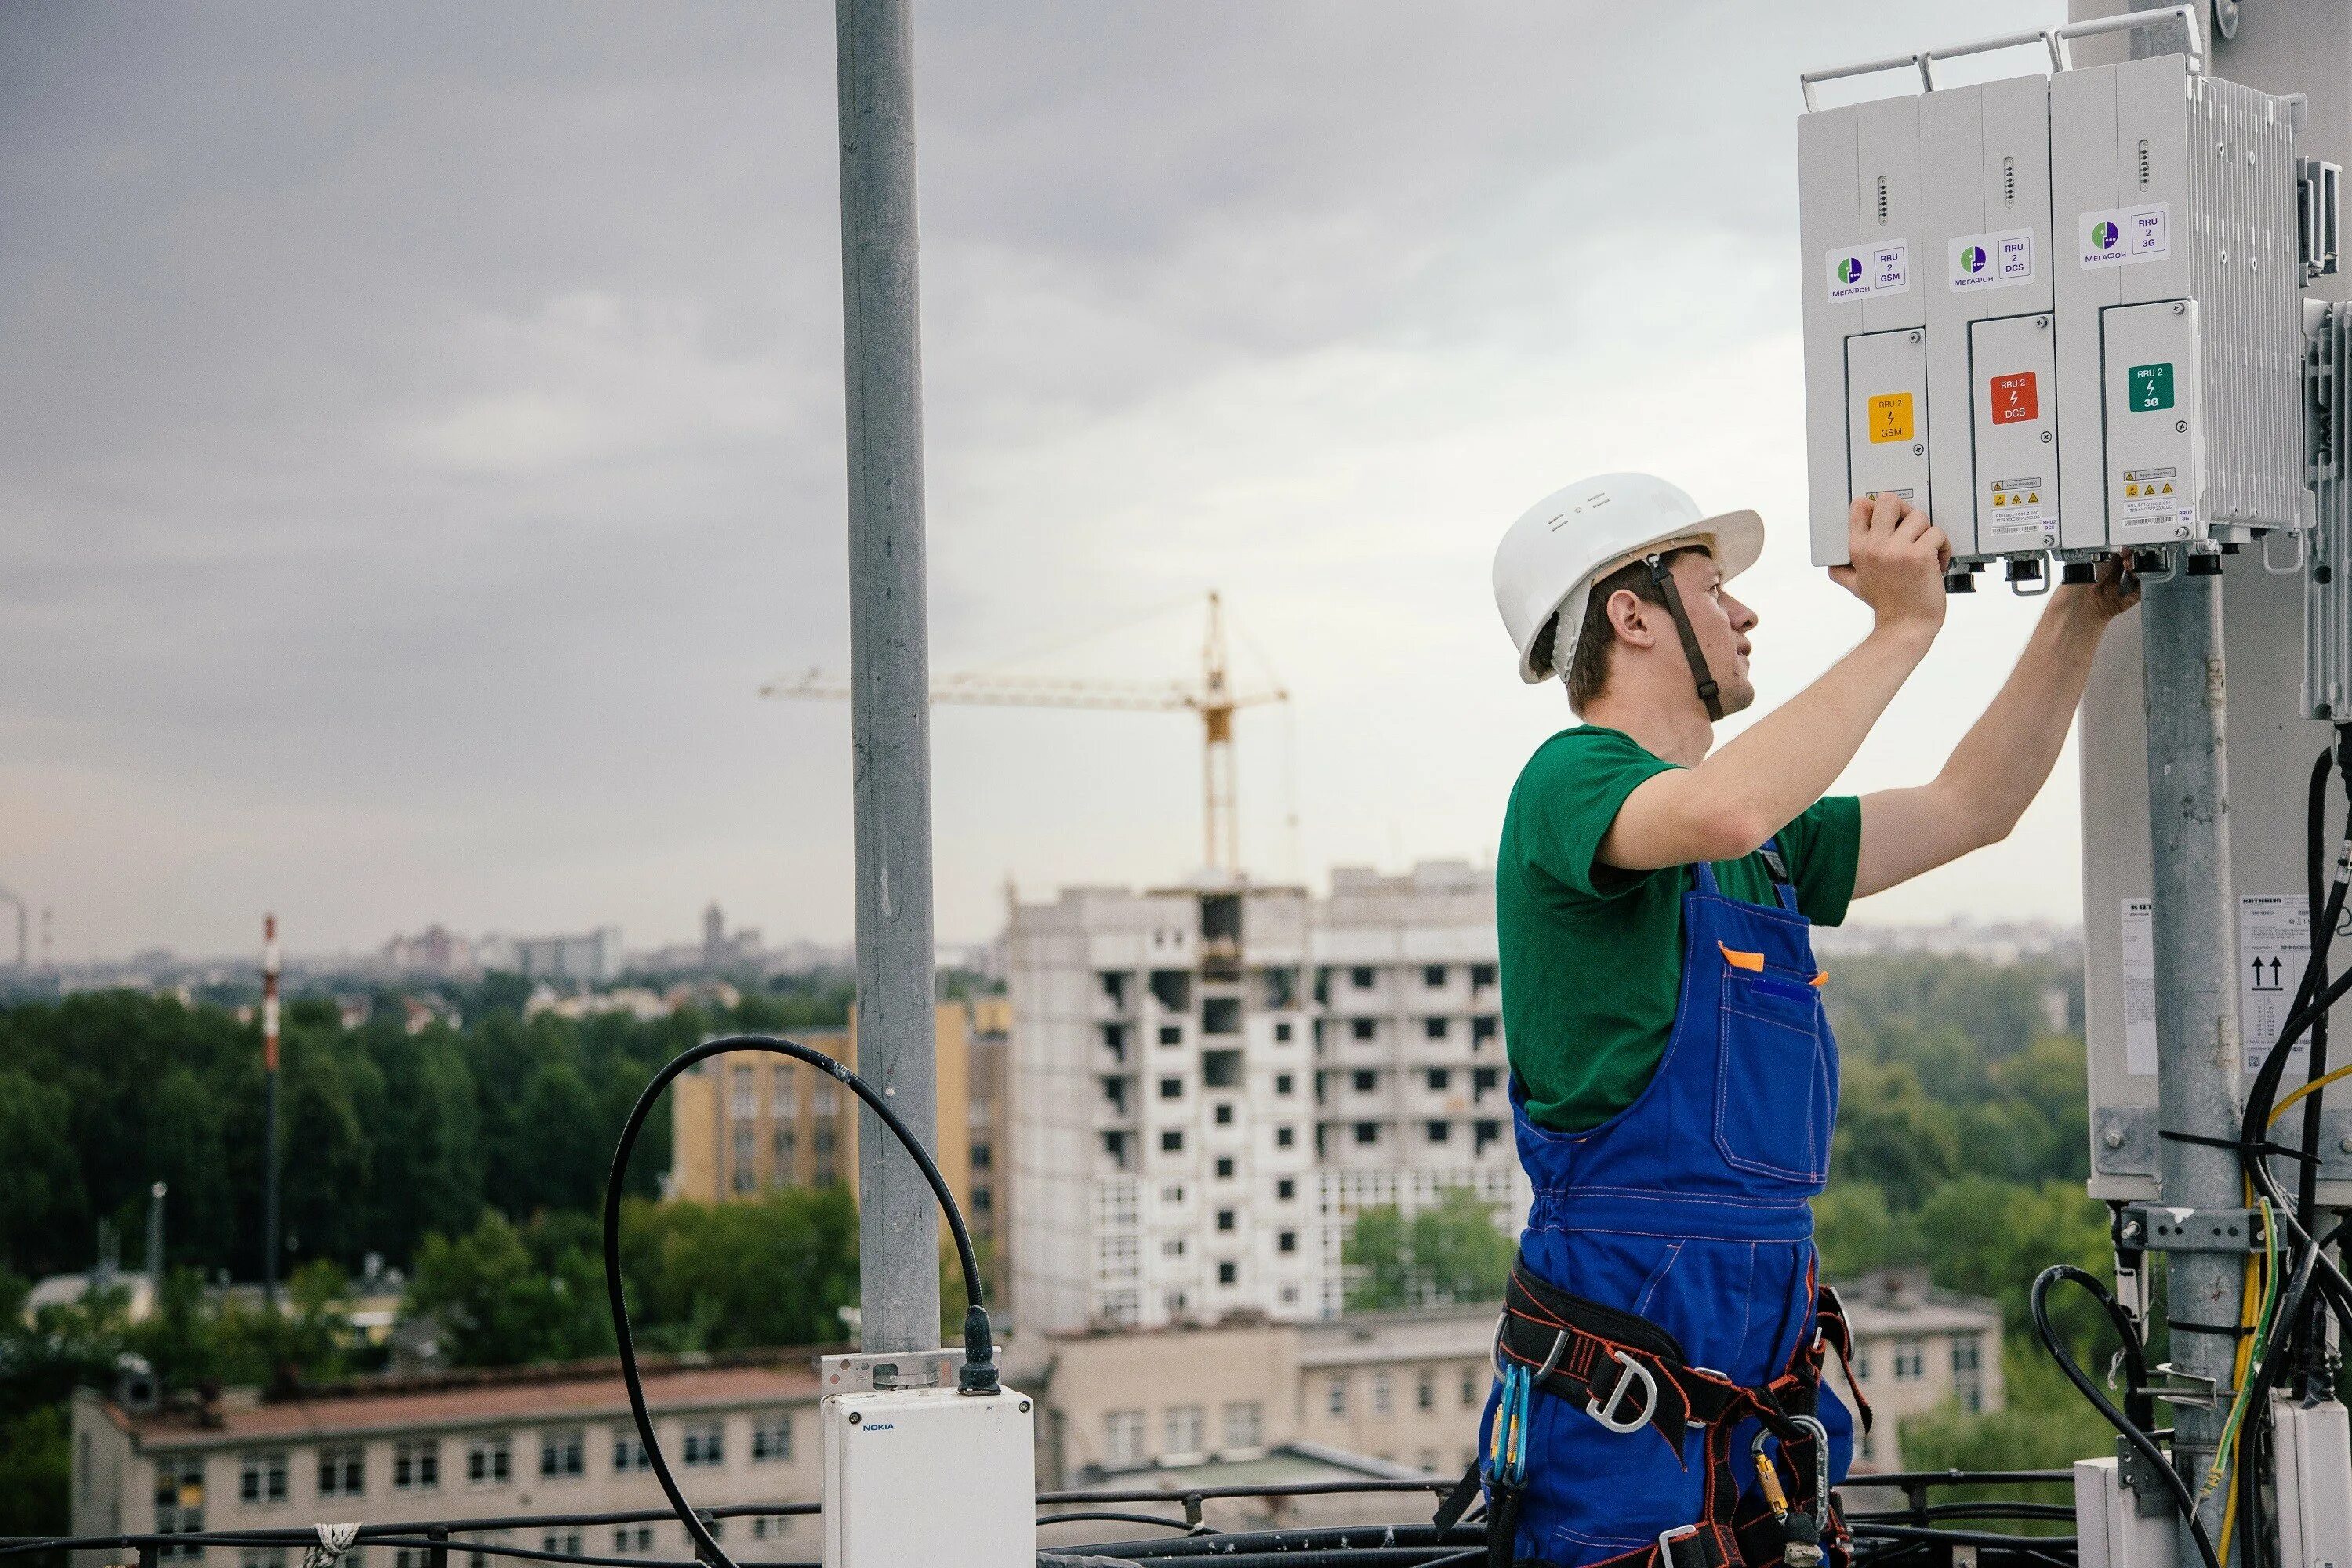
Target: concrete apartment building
x=526, y=1440
x=1208, y=1083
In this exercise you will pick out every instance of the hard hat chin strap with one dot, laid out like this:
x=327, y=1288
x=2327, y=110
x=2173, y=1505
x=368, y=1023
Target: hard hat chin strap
x=1661, y=577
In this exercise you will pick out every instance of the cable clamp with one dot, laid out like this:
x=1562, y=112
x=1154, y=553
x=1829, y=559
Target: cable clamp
x=2175, y=1387
x=2156, y=1229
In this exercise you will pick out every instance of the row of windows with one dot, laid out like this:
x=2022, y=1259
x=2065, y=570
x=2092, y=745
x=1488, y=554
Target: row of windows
x=743, y=1100
x=1337, y=1388
x=1482, y=1133
x=1439, y=1080
x=1909, y=1359
x=1171, y=1139
x=1184, y=1428
x=489, y=1461
x=1483, y=1027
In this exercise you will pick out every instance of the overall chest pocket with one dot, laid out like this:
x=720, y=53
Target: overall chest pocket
x=1775, y=1090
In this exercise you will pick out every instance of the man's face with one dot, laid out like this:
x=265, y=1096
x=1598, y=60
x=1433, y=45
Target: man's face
x=1722, y=623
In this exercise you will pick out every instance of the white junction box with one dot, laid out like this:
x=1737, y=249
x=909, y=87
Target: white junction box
x=2179, y=290
x=2313, y=1456
x=2109, y=1529
x=1984, y=164
x=1865, y=270
x=929, y=1475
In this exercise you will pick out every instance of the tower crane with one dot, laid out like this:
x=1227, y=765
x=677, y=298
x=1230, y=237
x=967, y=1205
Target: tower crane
x=1211, y=695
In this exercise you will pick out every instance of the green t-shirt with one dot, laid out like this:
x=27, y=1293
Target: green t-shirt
x=1592, y=955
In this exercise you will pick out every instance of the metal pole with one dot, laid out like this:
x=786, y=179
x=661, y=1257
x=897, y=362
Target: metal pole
x=155, y=1242
x=889, y=666
x=2199, y=1054
x=269, y=1112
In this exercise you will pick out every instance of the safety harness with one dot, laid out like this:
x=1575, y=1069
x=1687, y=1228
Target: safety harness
x=1630, y=1374
x=1662, y=578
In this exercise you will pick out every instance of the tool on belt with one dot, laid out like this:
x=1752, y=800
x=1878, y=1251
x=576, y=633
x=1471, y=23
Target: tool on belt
x=1631, y=1375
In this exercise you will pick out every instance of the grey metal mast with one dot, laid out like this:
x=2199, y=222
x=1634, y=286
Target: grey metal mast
x=889, y=665
x=2200, y=1054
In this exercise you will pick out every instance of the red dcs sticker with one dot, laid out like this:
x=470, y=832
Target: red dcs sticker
x=2015, y=397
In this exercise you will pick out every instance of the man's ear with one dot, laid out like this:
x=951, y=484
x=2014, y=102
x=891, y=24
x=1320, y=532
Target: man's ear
x=1629, y=617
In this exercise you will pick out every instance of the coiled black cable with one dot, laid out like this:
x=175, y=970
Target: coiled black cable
x=978, y=1373
x=2137, y=1437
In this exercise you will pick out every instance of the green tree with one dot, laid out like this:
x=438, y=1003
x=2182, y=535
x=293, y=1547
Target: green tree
x=1449, y=1251
x=501, y=1306
x=1891, y=1132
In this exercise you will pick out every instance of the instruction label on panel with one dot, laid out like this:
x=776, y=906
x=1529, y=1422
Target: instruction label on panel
x=2273, y=944
x=2013, y=507
x=1990, y=260
x=1868, y=270
x=2139, y=987
x=2150, y=495
x=2121, y=236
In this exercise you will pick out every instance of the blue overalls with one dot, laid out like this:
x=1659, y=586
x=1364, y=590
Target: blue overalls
x=1688, y=1208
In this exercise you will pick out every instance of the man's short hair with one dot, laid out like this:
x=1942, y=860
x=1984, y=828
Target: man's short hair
x=1587, y=667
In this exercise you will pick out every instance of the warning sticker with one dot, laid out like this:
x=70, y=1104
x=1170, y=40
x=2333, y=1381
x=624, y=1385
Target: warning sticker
x=2014, y=397
x=1990, y=260
x=2149, y=496
x=2013, y=509
x=2121, y=236
x=1890, y=417
x=1867, y=270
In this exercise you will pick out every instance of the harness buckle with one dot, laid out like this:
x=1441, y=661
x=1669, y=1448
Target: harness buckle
x=1667, y=1538
x=1606, y=1414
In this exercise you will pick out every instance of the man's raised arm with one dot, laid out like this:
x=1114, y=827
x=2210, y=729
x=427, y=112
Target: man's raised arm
x=1735, y=799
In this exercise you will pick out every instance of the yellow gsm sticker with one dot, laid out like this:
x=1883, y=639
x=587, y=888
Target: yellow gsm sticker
x=1890, y=417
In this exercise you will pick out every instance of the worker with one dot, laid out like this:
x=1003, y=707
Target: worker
x=1673, y=1083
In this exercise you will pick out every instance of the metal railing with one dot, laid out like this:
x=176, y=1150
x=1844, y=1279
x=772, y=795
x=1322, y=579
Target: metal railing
x=1920, y=1531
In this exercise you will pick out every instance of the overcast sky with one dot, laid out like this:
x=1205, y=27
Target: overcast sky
x=420, y=435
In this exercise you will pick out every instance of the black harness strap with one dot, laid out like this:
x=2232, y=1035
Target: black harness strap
x=1661, y=577
x=1631, y=1374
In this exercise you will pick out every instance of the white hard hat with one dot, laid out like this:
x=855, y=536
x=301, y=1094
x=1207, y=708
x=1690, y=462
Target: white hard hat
x=1572, y=538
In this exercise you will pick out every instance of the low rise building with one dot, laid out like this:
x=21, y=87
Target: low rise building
x=546, y=1440
x=746, y=1122
x=1402, y=1391
x=1916, y=1349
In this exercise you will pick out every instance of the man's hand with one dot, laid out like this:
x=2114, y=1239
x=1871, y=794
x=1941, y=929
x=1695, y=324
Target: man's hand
x=1897, y=559
x=2116, y=590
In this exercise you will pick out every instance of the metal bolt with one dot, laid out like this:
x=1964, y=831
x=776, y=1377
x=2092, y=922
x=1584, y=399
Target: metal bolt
x=1915, y=337
x=2041, y=320
x=2179, y=308
x=1024, y=1407
x=2045, y=437
x=2346, y=1145
x=1918, y=448
x=2113, y=1138
x=2181, y=426
x=2180, y=532
x=2133, y=1230
x=855, y=1419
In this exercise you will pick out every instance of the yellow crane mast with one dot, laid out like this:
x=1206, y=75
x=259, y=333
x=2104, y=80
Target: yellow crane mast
x=1212, y=696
